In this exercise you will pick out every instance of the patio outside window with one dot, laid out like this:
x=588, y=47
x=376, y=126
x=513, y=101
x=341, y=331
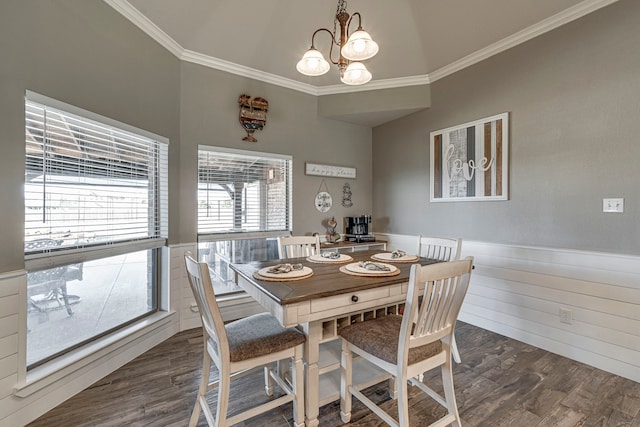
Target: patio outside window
x=244, y=203
x=95, y=216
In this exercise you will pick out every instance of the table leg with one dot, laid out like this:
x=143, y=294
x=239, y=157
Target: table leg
x=312, y=377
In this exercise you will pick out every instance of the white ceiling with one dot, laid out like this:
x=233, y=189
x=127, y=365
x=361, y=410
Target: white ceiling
x=420, y=40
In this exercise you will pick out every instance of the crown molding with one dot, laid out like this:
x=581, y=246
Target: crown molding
x=145, y=24
x=375, y=85
x=544, y=26
x=241, y=70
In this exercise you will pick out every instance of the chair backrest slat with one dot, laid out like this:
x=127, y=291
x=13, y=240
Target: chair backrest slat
x=432, y=313
x=446, y=299
x=202, y=288
x=298, y=246
x=441, y=248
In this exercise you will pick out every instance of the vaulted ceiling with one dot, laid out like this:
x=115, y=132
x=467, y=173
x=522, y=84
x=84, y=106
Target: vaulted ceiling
x=420, y=40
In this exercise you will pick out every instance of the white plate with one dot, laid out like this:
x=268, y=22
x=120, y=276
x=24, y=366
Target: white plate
x=355, y=267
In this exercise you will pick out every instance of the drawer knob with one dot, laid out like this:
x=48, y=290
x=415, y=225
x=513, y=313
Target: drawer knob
x=354, y=298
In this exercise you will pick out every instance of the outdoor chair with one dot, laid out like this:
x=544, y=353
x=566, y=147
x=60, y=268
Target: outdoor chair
x=47, y=289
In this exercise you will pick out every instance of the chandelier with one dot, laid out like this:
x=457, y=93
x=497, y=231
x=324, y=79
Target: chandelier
x=353, y=48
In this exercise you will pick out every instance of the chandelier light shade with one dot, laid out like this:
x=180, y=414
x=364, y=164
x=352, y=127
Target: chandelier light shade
x=313, y=63
x=352, y=49
x=360, y=46
x=356, y=74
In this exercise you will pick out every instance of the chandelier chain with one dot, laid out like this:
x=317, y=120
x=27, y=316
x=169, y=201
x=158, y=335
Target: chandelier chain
x=341, y=8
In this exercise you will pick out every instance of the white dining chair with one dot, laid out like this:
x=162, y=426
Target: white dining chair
x=412, y=343
x=298, y=246
x=444, y=249
x=238, y=348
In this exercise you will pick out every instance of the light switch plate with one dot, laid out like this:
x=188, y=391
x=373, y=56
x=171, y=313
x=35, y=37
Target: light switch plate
x=613, y=205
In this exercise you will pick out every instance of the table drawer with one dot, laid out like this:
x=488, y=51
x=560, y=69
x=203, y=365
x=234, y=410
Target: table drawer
x=353, y=299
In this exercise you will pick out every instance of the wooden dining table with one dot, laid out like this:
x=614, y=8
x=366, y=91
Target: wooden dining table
x=320, y=305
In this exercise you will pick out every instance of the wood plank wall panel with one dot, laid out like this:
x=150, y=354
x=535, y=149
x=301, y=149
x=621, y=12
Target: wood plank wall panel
x=487, y=154
x=9, y=328
x=518, y=292
x=437, y=165
x=498, y=161
x=181, y=296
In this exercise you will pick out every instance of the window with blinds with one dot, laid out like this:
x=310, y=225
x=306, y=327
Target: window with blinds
x=242, y=191
x=96, y=205
x=89, y=183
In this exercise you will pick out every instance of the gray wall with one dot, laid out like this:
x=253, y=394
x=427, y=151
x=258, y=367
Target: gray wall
x=209, y=116
x=86, y=54
x=574, y=102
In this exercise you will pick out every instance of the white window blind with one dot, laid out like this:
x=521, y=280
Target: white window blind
x=90, y=183
x=242, y=191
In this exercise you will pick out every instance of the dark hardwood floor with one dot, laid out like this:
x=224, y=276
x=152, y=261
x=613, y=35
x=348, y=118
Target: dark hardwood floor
x=501, y=382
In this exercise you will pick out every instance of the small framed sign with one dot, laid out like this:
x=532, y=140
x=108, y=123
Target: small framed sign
x=330, y=171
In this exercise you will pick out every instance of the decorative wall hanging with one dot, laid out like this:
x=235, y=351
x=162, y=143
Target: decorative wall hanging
x=323, y=200
x=346, y=195
x=471, y=161
x=328, y=170
x=253, y=115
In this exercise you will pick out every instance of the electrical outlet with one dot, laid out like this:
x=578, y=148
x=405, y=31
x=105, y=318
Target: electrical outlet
x=566, y=315
x=613, y=205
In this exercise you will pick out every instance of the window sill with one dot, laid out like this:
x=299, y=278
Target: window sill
x=88, y=357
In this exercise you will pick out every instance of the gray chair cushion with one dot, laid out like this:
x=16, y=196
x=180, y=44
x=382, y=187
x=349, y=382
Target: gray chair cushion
x=258, y=335
x=379, y=337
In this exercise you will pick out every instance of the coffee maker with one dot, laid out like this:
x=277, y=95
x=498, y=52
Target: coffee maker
x=357, y=229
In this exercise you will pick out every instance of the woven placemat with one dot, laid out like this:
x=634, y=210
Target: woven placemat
x=280, y=279
x=344, y=269
x=386, y=257
x=319, y=259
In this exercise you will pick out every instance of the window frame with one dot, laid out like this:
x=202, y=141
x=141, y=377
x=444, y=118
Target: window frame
x=204, y=237
x=65, y=256
x=227, y=234
x=35, y=261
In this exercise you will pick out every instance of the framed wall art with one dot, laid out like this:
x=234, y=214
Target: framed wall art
x=470, y=161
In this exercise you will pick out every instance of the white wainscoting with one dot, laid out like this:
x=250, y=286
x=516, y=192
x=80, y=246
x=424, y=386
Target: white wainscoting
x=182, y=296
x=518, y=292
x=10, y=284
